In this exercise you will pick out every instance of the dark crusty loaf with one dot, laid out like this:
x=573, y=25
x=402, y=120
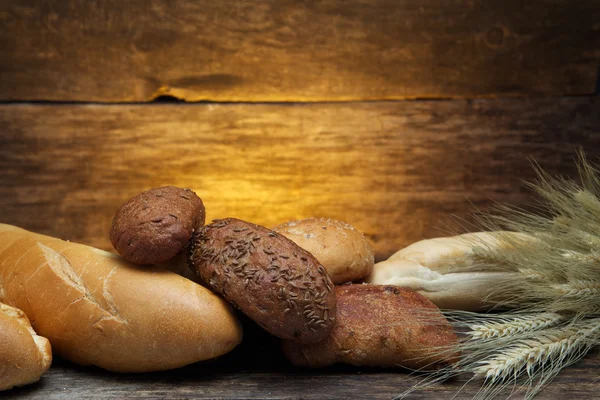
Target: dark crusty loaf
x=381, y=326
x=276, y=283
x=155, y=225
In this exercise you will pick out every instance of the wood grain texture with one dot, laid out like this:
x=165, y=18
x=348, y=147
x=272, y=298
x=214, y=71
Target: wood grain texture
x=291, y=50
x=257, y=370
x=67, y=381
x=398, y=171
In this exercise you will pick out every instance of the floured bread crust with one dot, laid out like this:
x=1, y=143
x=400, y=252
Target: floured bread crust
x=444, y=270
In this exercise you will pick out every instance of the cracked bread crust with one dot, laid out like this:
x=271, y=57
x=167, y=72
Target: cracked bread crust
x=97, y=308
x=381, y=326
x=269, y=278
x=24, y=356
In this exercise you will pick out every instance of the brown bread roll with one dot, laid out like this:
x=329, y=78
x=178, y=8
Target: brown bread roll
x=24, y=356
x=344, y=251
x=96, y=308
x=381, y=326
x=155, y=225
x=269, y=278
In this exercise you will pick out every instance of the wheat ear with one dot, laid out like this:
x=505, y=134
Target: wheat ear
x=555, y=274
x=540, y=358
x=504, y=327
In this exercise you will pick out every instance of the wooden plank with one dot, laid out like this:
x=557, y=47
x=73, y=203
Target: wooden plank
x=398, y=171
x=257, y=370
x=67, y=381
x=290, y=50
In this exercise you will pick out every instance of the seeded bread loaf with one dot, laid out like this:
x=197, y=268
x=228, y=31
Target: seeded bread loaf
x=276, y=283
x=381, y=326
x=24, y=356
x=96, y=308
x=344, y=251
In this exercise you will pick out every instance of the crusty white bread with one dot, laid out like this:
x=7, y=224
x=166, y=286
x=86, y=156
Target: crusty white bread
x=96, y=308
x=441, y=270
x=24, y=356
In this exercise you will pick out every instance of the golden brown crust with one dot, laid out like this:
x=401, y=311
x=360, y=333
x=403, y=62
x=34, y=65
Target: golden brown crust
x=96, y=308
x=24, y=356
x=344, y=251
x=381, y=326
x=155, y=225
x=276, y=283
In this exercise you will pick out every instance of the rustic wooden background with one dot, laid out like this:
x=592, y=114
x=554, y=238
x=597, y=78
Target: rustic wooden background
x=400, y=117
x=398, y=171
x=291, y=50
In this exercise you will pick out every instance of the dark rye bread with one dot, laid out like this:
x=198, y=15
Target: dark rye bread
x=381, y=326
x=155, y=225
x=267, y=276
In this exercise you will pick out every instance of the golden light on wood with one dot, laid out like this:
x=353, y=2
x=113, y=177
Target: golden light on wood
x=397, y=171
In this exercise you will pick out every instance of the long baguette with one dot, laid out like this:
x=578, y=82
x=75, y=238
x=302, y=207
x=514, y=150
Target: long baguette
x=24, y=356
x=96, y=308
x=441, y=269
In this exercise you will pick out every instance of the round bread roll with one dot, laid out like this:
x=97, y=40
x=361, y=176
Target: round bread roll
x=344, y=251
x=96, y=308
x=381, y=326
x=269, y=278
x=24, y=356
x=155, y=225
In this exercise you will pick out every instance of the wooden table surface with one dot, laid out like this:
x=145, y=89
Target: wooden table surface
x=258, y=370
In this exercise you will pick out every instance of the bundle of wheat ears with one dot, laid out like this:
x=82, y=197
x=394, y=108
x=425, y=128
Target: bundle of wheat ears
x=546, y=305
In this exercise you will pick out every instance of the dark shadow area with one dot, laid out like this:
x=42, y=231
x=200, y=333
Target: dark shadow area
x=166, y=99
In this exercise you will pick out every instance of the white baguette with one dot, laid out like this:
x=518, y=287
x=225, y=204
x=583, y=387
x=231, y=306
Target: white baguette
x=96, y=308
x=24, y=356
x=440, y=269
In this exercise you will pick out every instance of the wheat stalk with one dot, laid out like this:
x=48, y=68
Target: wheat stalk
x=504, y=327
x=551, y=303
x=548, y=348
x=579, y=288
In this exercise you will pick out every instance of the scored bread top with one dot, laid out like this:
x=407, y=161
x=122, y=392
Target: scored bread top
x=96, y=308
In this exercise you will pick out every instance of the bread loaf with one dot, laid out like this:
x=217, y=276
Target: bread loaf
x=444, y=270
x=381, y=326
x=344, y=251
x=96, y=308
x=269, y=278
x=155, y=225
x=24, y=356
